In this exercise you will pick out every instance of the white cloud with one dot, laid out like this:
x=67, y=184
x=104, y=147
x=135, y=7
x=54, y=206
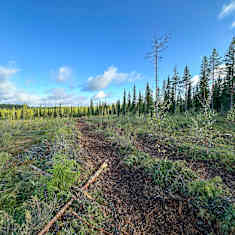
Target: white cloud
x=100, y=95
x=10, y=94
x=227, y=9
x=59, y=96
x=220, y=71
x=6, y=72
x=110, y=75
x=63, y=74
x=195, y=80
x=233, y=25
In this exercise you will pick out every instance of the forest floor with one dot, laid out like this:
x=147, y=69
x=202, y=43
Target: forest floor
x=172, y=180
x=137, y=207
x=140, y=206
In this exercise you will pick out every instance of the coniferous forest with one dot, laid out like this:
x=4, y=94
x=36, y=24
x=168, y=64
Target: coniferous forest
x=178, y=94
x=156, y=161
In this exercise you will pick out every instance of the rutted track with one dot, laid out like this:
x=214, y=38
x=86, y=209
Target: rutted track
x=138, y=206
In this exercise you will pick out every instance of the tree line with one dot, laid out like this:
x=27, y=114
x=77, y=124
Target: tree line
x=215, y=88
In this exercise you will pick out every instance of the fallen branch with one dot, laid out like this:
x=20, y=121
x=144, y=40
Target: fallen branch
x=58, y=215
x=68, y=204
x=90, y=225
x=93, y=178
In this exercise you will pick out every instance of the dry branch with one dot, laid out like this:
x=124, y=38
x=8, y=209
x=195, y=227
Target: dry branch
x=58, y=215
x=39, y=170
x=90, y=225
x=68, y=204
x=93, y=178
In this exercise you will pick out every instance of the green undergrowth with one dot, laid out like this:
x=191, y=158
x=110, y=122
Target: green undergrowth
x=204, y=136
x=201, y=136
x=56, y=154
x=211, y=198
x=65, y=174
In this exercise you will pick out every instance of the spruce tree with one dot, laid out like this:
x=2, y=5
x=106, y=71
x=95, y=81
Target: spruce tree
x=113, y=109
x=140, y=103
x=124, y=103
x=230, y=71
x=189, y=95
x=118, y=107
x=163, y=93
x=204, y=81
x=167, y=94
x=215, y=62
x=149, y=100
x=129, y=102
x=217, y=94
x=196, y=98
x=133, y=109
x=188, y=89
x=92, y=111
x=174, y=89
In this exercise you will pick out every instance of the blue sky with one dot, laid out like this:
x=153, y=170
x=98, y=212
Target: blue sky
x=68, y=51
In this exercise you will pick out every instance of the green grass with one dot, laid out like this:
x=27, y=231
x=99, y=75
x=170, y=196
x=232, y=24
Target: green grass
x=29, y=200
x=198, y=141
x=37, y=142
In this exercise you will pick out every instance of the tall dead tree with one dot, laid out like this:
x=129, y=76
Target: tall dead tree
x=159, y=44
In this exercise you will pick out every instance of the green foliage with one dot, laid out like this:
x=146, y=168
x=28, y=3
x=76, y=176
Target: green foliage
x=231, y=115
x=170, y=176
x=210, y=197
x=65, y=173
x=17, y=185
x=37, y=212
x=4, y=158
x=205, y=190
x=5, y=138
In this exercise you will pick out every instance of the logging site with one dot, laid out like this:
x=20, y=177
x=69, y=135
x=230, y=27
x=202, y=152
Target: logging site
x=117, y=117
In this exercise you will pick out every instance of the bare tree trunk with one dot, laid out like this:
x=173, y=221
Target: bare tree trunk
x=156, y=76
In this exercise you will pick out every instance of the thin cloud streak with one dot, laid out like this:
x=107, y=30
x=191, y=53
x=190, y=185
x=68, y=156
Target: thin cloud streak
x=227, y=9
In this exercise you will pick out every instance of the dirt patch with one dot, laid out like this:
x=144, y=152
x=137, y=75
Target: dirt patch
x=138, y=206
